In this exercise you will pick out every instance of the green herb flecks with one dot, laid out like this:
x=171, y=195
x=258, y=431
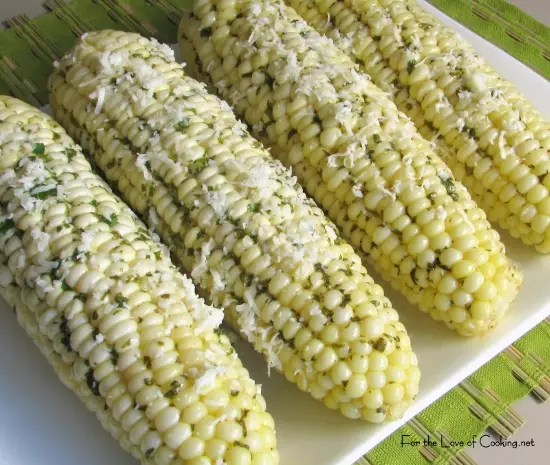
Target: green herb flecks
x=65, y=333
x=448, y=183
x=182, y=125
x=111, y=221
x=92, y=383
x=121, y=300
x=43, y=195
x=6, y=225
x=198, y=165
x=174, y=390
x=39, y=149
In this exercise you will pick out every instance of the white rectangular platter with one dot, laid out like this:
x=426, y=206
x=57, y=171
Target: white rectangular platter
x=42, y=423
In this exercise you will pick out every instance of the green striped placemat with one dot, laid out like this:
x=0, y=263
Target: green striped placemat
x=27, y=51
x=505, y=25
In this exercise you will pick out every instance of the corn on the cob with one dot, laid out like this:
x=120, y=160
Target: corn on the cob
x=359, y=157
x=120, y=325
x=238, y=222
x=494, y=140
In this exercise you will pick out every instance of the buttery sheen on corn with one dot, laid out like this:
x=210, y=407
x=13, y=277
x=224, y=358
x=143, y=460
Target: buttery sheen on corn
x=120, y=325
x=492, y=137
x=357, y=155
x=238, y=222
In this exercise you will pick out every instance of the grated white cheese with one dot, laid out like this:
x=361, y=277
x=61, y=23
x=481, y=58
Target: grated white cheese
x=45, y=188
x=141, y=161
x=357, y=191
x=271, y=347
x=206, y=316
x=397, y=34
x=218, y=284
x=8, y=177
x=330, y=230
x=440, y=213
x=255, y=9
x=148, y=77
x=332, y=160
x=166, y=51
x=416, y=42
x=200, y=270
x=207, y=381
x=387, y=192
x=343, y=114
x=261, y=176
x=443, y=175
x=217, y=200
x=100, y=95
x=42, y=239
x=86, y=238
x=476, y=81
x=503, y=150
x=464, y=95
x=239, y=128
x=44, y=285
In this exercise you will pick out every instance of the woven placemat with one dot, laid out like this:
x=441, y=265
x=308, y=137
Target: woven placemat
x=27, y=51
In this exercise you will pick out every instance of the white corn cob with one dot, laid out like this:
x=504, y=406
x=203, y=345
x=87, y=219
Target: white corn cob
x=120, y=325
x=357, y=156
x=238, y=222
x=494, y=140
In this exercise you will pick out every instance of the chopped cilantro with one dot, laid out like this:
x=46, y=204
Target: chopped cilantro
x=66, y=333
x=174, y=390
x=111, y=221
x=45, y=194
x=381, y=344
x=6, y=225
x=120, y=300
x=449, y=186
x=92, y=383
x=182, y=125
x=198, y=165
x=39, y=149
x=114, y=356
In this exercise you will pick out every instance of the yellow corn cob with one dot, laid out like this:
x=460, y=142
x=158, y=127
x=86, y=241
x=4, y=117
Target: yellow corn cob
x=238, y=222
x=495, y=142
x=359, y=158
x=120, y=325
